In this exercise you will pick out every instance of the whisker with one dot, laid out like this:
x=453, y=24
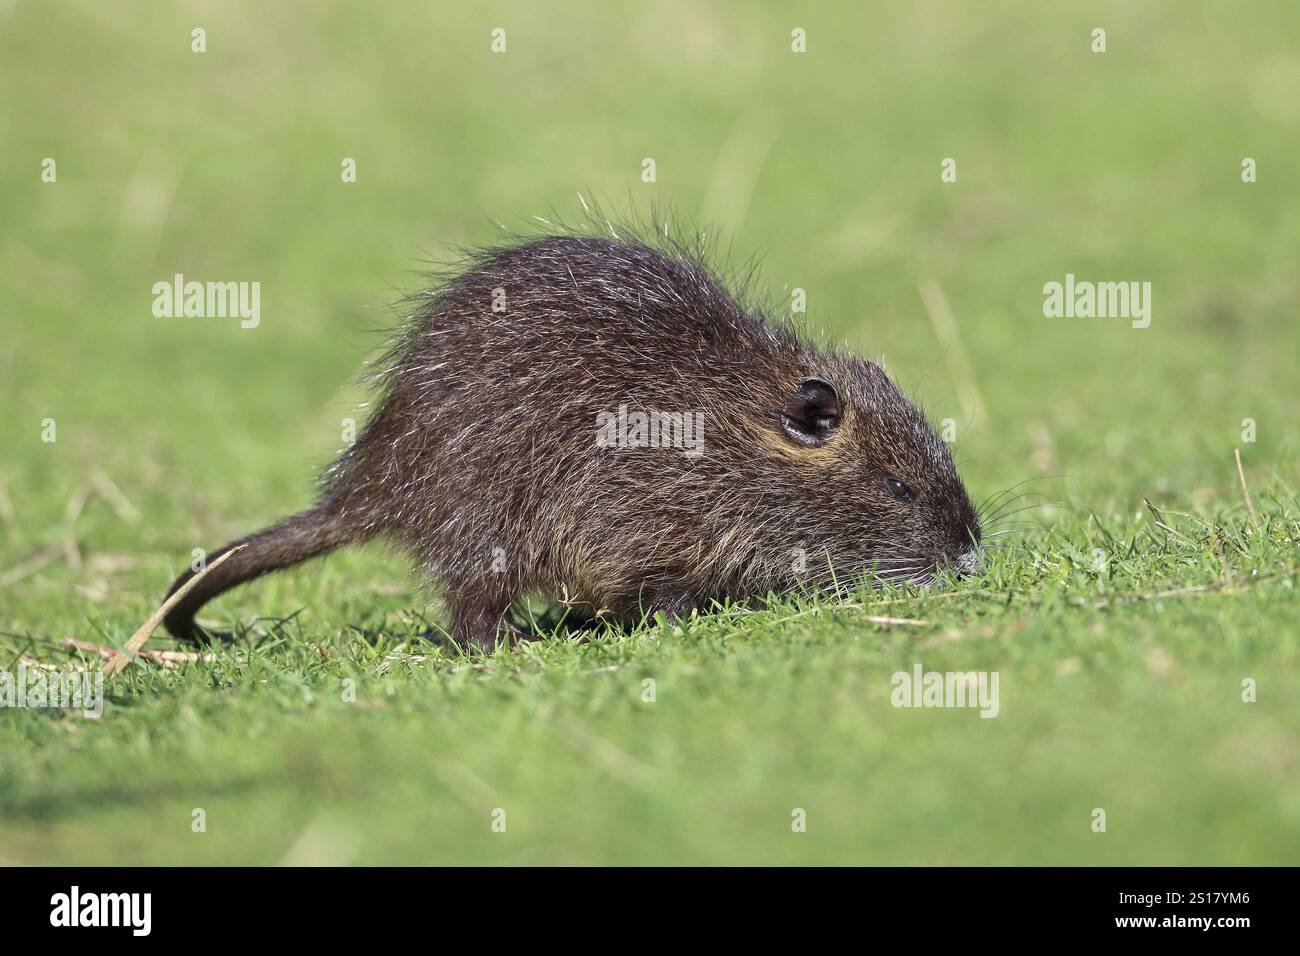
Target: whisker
x=1003, y=506
x=1007, y=515
x=987, y=501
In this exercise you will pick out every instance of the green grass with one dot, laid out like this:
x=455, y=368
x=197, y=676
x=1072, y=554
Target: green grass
x=1121, y=643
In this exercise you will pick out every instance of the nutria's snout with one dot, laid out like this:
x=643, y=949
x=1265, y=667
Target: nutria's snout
x=968, y=553
x=969, y=562
x=971, y=557
x=953, y=567
x=965, y=556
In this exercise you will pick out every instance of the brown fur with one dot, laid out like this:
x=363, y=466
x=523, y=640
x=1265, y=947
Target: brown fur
x=482, y=459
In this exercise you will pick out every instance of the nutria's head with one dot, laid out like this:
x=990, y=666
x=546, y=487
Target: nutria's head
x=873, y=481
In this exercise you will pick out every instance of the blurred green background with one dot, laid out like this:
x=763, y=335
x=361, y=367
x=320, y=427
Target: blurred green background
x=225, y=165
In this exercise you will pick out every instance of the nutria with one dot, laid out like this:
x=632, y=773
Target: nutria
x=595, y=419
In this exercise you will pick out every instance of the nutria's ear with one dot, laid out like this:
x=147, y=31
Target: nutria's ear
x=812, y=413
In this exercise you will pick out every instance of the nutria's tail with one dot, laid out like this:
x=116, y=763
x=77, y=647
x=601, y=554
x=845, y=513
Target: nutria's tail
x=305, y=535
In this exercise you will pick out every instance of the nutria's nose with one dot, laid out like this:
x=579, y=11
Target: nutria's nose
x=964, y=563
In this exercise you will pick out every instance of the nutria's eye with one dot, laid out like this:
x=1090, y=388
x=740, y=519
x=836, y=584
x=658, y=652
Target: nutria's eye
x=898, y=488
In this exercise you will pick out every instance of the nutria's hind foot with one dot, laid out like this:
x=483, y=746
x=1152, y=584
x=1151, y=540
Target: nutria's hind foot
x=478, y=624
